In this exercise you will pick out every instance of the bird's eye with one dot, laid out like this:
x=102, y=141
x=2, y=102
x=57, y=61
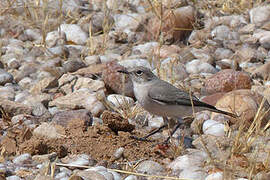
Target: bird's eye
x=139, y=72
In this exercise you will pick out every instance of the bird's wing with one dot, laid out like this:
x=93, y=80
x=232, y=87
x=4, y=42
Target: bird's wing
x=174, y=96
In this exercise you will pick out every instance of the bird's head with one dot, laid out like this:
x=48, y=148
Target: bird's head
x=139, y=74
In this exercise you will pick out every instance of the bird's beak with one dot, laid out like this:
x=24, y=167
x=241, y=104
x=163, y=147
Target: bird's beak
x=123, y=71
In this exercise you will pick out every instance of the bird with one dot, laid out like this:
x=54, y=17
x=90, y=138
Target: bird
x=163, y=99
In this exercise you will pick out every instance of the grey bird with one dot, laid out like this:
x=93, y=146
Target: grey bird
x=162, y=98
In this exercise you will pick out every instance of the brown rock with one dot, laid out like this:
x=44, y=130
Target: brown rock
x=49, y=131
x=227, y=80
x=82, y=116
x=43, y=177
x=244, y=103
x=69, y=83
x=116, y=122
x=47, y=82
x=14, y=108
x=213, y=98
x=114, y=80
x=81, y=99
x=9, y=144
x=90, y=175
x=263, y=71
x=176, y=24
x=166, y=51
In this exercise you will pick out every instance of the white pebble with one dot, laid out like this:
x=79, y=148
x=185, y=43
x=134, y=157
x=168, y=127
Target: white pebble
x=213, y=128
x=22, y=158
x=215, y=176
x=74, y=33
x=120, y=100
x=119, y=152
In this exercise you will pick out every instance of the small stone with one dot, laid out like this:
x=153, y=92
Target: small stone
x=259, y=15
x=14, y=177
x=43, y=85
x=5, y=77
x=155, y=122
x=116, y=176
x=220, y=33
x=213, y=128
x=55, y=38
x=50, y=131
x=144, y=49
x=116, y=122
x=202, y=55
x=215, y=176
x=120, y=101
x=176, y=24
x=72, y=83
x=172, y=70
x=222, y=53
x=90, y=175
x=189, y=166
x=247, y=29
x=82, y=116
x=43, y=177
x=7, y=92
x=26, y=83
x=262, y=71
x=82, y=98
x=150, y=167
x=129, y=21
x=227, y=80
x=22, y=159
x=115, y=80
x=80, y=160
x=13, y=63
x=131, y=177
x=15, y=108
x=89, y=60
x=45, y=157
x=197, y=66
x=130, y=63
x=73, y=65
x=119, y=152
x=74, y=33
x=244, y=103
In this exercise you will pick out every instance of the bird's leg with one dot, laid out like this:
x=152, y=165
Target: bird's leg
x=179, y=123
x=153, y=132
x=186, y=140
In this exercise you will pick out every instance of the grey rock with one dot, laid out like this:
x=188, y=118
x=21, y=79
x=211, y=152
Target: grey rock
x=7, y=92
x=26, y=82
x=49, y=131
x=259, y=15
x=82, y=98
x=73, y=65
x=131, y=177
x=150, y=167
x=220, y=32
x=120, y=101
x=21, y=159
x=90, y=60
x=222, y=53
x=14, y=177
x=74, y=33
x=5, y=77
x=64, y=117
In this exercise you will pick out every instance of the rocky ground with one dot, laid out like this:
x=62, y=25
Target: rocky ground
x=67, y=114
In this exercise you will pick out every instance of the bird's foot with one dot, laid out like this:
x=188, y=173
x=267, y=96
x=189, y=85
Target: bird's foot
x=148, y=135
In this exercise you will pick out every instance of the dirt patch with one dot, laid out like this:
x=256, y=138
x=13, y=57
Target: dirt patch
x=98, y=141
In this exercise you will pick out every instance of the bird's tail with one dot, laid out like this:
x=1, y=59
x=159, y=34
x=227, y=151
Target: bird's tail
x=225, y=112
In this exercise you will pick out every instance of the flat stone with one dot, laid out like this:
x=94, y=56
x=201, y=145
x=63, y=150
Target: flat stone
x=81, y=99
